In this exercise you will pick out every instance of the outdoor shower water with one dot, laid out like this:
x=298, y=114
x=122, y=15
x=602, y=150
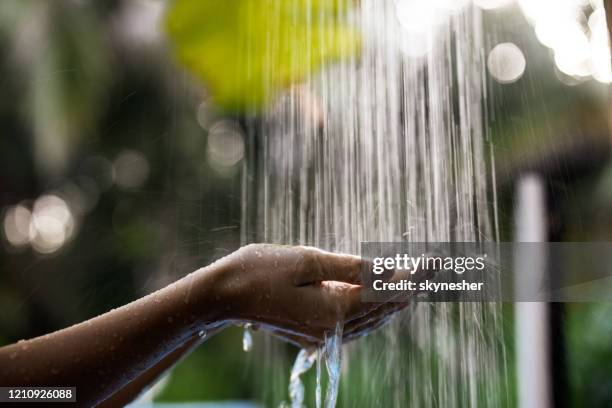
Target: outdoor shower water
x=331, y=350
x=303, y=362
x=387, y=145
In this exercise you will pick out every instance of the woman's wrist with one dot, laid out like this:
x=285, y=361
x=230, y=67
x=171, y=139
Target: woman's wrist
x=216, y=290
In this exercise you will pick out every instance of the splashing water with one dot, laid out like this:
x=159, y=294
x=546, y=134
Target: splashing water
x=303, y=362
x=389, y=145
x=247, y=338
x=333, y=349
x=305, y=359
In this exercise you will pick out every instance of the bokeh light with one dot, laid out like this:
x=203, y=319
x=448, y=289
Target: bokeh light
x=420, y=21
x=559, y=26
x=417, y=16
x=452, y=6
x=579, y=44
x=52, y=224
x=225, y=145
x=17, y=225
x=506, y=63
x=600, y=51
x=492, y=4
x=204, y=114
x=47, y=227
x=131, y=169
x=140, y=21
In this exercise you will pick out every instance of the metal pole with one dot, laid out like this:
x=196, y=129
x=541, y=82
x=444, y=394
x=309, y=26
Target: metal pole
x=532, y=328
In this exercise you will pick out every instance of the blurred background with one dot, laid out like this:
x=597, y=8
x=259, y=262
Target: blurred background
x=118, y=175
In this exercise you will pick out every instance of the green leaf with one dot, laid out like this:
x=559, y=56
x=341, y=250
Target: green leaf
x=247, y=50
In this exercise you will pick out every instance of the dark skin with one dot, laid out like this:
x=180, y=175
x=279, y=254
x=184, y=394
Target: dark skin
x=296, y=293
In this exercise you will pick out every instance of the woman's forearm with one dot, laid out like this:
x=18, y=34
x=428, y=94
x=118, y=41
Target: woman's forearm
x=104, y=354
x=141, y=383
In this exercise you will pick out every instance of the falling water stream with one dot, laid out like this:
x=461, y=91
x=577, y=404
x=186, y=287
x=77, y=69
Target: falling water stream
x=332, y=349
x=305, y=359
x=303, y=362
x=388, y=145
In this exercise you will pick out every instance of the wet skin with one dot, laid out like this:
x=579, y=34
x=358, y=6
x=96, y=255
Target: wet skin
x=297, y=293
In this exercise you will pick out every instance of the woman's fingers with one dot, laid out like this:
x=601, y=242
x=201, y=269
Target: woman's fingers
x=296, y=340
x=330, y=302
x=385, y=311
x=355, y=307
x=343, y=268
x=350, y=333
x=352, y=310
x=340, y=302
x=295, y=333
x=364, y=331
x=319, y=266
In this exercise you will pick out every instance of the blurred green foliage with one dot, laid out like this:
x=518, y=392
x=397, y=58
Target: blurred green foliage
x=245, y=51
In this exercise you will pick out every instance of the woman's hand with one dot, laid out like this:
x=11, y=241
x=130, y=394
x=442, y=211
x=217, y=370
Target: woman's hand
x=298, y=293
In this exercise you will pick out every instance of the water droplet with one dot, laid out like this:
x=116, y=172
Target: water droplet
x=202, y=334
x=247, y=338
